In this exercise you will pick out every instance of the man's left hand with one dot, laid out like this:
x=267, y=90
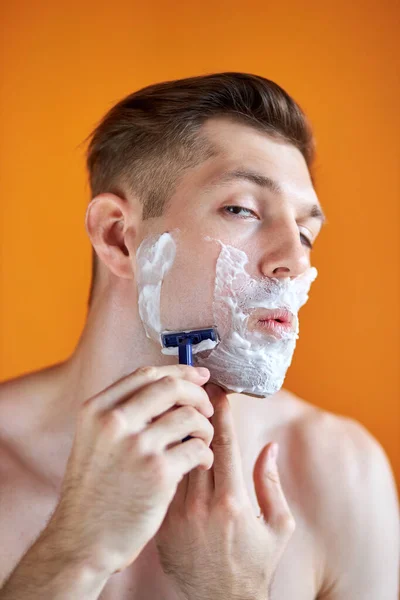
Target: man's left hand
x=211, y=544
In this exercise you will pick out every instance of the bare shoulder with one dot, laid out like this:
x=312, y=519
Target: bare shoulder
x=333, y=440
x=27, y=383
x=337, y=460
x=350, y=499
x=23, y=401
x=26, y=498
x=26, y=426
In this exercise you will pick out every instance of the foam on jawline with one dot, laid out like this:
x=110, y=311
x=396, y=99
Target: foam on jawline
x=250, y=361
x=243, y=361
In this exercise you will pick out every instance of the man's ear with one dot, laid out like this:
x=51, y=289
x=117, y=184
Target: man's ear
x=112, y=224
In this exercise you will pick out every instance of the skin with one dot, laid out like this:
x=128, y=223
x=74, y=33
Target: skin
x=335, y=477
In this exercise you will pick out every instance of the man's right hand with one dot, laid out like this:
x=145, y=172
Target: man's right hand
x=127, y=460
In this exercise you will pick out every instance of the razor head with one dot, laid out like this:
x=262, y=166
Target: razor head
x=174, y=339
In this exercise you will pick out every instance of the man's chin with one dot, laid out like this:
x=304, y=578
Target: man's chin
x=245, y=368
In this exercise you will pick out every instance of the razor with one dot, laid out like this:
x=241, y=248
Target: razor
x=185, y=340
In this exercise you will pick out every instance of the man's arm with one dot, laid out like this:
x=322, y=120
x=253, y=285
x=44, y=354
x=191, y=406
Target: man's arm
x=47, y=572
x=361, y=529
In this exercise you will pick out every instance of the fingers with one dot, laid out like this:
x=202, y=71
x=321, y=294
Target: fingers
x=174, y=426
x=189, y=455
x=228, y=474
x=153, y=400
x=270, y=496
x=125, y=387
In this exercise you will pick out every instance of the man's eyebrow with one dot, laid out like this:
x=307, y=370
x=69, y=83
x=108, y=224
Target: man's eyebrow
x=252, y=176
x=263, y=181
x=316, y=212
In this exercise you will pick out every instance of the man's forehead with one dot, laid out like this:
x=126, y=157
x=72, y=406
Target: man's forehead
x=237, y=140
x=261, y=176
x=240, y=147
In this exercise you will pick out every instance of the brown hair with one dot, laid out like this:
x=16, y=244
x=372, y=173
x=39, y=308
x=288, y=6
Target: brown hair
x=146, y=141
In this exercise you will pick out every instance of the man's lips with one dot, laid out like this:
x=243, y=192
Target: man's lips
x=276, y=322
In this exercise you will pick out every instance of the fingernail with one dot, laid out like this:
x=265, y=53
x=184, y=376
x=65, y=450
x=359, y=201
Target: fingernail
x=203, y=371
x=273, y=454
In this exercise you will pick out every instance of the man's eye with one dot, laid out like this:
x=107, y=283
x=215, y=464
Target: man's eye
x=239, y=210
x=306, y=241
x=236, y=210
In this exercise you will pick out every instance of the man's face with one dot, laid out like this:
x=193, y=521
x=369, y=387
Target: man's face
x=255, y=196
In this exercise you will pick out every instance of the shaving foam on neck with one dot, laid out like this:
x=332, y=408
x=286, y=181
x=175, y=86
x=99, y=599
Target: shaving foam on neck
x=249, y=361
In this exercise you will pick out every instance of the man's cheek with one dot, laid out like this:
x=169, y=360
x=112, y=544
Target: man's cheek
x=187, y=290
x=176, y=280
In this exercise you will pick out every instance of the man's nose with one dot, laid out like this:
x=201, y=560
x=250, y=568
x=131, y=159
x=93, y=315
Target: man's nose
x=284, y=254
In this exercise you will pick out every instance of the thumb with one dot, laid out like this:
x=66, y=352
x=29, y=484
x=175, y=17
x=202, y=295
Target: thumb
x=270, y=496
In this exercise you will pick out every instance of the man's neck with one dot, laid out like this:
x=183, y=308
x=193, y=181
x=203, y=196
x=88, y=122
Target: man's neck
x=112, y=345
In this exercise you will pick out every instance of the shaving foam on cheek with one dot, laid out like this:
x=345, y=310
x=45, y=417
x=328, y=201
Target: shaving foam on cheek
x=243, y=360
x=154, y=257
x=201, y=347
x=249, y=361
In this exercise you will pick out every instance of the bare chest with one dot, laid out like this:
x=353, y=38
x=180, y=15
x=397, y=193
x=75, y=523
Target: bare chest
x=27, y=505
x=26, y=513
x=295, y=578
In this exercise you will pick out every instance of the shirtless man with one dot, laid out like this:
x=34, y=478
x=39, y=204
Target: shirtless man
x=98, y=496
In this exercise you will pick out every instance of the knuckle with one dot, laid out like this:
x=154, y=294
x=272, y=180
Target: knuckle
x=112, y=421
x=202, y=394
x=285, y=523
x=273, y=477
x=230, y=506
x=171, y=382
x=158, y=468
x=147, y=372
x=207, y=430
x=211, y=429
x=137, y=444
x=201, y=452
x=87, y=409
x=222, y=439
x=156, y=464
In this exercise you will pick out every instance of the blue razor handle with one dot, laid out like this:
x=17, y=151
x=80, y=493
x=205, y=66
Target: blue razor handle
x=184, y=340
x=185, y=352
x=185, y=358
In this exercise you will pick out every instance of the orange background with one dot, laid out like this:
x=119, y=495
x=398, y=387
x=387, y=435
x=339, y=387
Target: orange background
x=66, y=63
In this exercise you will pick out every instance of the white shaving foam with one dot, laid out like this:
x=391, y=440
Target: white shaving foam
x=201, y=347
x=243, y=360
x=154, y=257
x=249, y=361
